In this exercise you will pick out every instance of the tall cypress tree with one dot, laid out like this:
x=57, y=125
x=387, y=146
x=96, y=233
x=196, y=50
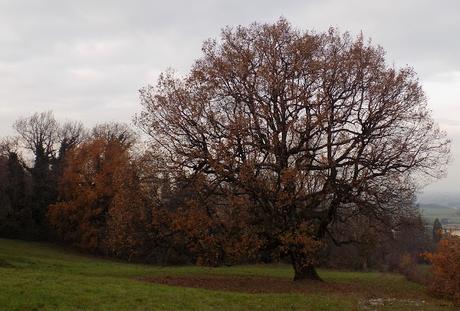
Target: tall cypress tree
x=437, y=230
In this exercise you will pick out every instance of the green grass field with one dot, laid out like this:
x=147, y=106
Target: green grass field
x=37, y=276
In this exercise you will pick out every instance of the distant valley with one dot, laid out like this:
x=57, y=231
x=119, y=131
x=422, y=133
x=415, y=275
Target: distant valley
x=446, y=214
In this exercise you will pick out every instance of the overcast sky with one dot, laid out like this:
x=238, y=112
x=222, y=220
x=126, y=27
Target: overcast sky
x=85, y=60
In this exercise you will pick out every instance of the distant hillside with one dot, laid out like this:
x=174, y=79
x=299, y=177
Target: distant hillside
x=445, y=214
x=434, y=206
x=440, y=199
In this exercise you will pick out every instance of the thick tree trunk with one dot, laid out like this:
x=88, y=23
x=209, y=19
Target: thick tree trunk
x=303, y=270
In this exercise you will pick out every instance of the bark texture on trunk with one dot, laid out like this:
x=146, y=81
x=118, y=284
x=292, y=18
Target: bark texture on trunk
x=303, y=270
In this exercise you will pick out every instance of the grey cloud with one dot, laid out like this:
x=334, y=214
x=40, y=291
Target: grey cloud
x=87, y=59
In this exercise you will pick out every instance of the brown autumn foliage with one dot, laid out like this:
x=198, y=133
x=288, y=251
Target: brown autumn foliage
x=115, y=204
x=211, y=230
x=101, y=208
x=226, y=240
x=309, y=127
x=445, y=268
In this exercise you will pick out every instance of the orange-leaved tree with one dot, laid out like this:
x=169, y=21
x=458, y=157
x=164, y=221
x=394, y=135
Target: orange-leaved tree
x=101, y=206
x=445, y=268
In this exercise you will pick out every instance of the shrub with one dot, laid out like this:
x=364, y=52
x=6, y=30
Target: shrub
x=410, y=269
x=445, y=269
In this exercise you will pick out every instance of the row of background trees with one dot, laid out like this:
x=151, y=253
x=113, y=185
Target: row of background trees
x=279, y=144
x=102, y=191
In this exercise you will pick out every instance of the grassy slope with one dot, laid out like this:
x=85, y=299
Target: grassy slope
x=35, y=276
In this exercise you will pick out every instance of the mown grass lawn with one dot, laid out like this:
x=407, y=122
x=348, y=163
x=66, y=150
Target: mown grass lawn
x=37, y=276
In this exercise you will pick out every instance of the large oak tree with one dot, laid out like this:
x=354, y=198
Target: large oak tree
x=313, y=128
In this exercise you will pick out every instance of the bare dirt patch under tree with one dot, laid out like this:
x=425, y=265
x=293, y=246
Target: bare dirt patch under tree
x=251, y=284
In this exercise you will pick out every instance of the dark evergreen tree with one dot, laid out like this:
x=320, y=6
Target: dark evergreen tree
x=16, y=219
x=437, y=230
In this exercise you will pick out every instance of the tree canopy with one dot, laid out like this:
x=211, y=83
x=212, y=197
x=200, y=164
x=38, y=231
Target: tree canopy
x=313, y=128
